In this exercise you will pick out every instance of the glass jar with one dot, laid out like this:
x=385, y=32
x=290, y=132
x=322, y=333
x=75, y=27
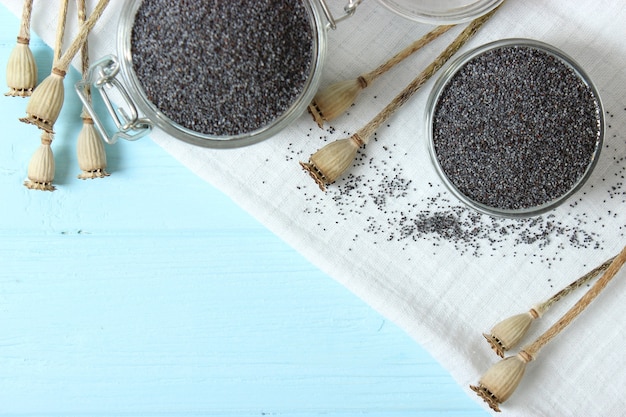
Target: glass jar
x=134, y=115
x=439, y=12
x=487, y=154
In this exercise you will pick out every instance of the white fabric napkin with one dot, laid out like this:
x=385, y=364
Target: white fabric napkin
x=391, y=233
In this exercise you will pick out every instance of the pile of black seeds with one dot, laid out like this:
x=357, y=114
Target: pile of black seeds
x=222, y=68
x=515, y=128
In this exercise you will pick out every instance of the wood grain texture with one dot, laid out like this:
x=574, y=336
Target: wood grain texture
x=150, y=293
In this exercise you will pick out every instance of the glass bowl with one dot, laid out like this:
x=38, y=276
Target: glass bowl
x=502, y=135
x=438, y=12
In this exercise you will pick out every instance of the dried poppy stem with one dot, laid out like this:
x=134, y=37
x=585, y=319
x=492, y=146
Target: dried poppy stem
x=89, y=148
x=84, y=52
x=501, y=380
x=543, y=307
x=47, y=100
x=509, y=332
x=21, y=68
x=328, y=163
x=334, y=100
x=60, y=32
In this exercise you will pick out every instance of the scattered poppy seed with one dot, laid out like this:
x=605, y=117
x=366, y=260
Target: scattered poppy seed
x=222, y=67
x=516, y=128
x=396, y=211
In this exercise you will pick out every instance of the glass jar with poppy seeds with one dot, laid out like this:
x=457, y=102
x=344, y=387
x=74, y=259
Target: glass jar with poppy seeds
x=213, y=73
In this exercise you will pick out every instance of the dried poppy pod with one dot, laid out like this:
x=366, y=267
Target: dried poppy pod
x=92, y=158
x=334, y=100
x=46, y=102
x=509, y=332
x=328, y=163
x=21, y=70
x=21, y=67
x=41, y=166
x=500, y=381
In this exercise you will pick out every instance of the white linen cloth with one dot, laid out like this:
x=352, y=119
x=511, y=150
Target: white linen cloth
x=391, y=233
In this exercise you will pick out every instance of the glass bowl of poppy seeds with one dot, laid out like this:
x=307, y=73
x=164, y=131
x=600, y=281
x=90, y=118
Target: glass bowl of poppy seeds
x=221, y=74
x=515, y=127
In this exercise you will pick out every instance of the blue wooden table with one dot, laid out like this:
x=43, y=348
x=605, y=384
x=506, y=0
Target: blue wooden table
x=151, y=293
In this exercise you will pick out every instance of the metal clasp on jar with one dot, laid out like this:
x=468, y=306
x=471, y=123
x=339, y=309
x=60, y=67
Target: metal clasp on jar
x=103, y=76
x=349, y=10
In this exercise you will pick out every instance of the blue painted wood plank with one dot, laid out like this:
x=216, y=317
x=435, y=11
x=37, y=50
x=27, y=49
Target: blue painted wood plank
x=181, y=323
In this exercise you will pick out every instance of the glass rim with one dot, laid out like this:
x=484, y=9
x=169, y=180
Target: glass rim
x=451, y=70
x=452, y=16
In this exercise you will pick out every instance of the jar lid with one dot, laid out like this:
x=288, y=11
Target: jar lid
x=438, y=12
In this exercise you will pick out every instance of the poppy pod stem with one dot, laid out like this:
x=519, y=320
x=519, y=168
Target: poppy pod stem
x=334, y=100
x=27, y=9
x=501, y=380
x=66, y=59
x=509, y=332
x=325, y=168
x=406, y=52
x=615, y=265
x=368, y=130
x=543, y=307
x=21, y=72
